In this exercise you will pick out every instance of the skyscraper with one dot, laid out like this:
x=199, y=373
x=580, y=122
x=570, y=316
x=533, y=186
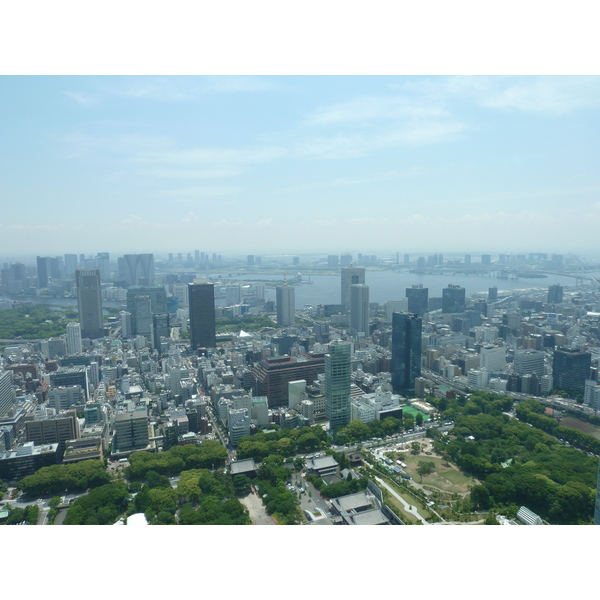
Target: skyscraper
x=202, y=315
x=570, y=369
x=89, y=302
x=137, y=269
x=43, y=271
x=359, y=309
x=418, y=299
x=555, y=294
x=350, y=276
x=286, y=305
x=337, y=384
x=73, y=338
x=70, y=264
x=7, y=393
x=141, y=318
x=493, y=294
x=158, y=305
x=453, y=299
x=406, y=351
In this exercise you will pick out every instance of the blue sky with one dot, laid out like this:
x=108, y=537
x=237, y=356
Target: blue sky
x=301, y=164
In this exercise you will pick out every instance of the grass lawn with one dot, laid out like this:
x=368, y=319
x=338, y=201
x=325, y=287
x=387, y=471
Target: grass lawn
x=423, y=511
x=449, y=479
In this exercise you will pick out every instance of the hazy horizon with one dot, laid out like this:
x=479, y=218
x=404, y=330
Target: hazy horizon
x=289, y=164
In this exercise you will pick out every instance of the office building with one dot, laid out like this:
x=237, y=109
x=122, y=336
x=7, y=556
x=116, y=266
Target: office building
x=43, y=271
x=73, y=338
x=126, y=325
x=406, y=351
x=359, y=309
x=570, y=369
x=453, y=299
x=238, y=423
x=26, y=459
x=233, y=295
x=71, y=376
x=141, y=317
x=493, y=294
x=137, y=269
x=271, y=376
x=286, y=305
x=131, y=429
x=555, y=294
x=157, y=295
x=418, y=300
x=337, y=384
x=392, y=306
x=70, y=264
x=202, y=315
x=350, y=276
x=527, y=362
x=161, y=328
x=89, y=302
x=53, y=429
x=7, y=393
x=486, y=259
x=62, y=398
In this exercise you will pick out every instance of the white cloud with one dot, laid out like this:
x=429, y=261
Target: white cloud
x=373, y=109
x=81, y=98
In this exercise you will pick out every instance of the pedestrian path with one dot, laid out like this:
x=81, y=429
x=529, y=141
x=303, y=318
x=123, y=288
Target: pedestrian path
x=408, y=507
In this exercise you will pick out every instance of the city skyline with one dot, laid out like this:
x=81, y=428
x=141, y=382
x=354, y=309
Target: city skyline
x=127, y=163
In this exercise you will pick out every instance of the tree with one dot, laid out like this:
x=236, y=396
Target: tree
x=419, y=419
x=415, y=448
x=425, y=468
x=242, y=484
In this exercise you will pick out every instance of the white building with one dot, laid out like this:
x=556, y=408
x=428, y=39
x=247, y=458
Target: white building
x=493, y=358
x=478, y=378
x=528, y=362
x=73, y=339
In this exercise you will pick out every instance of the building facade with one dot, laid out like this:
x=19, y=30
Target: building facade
x=202, y=315
x=406, y=351
x=286, y=305
x=89, y=302
x=350, y=276
x=359, y=309
x=337, y=384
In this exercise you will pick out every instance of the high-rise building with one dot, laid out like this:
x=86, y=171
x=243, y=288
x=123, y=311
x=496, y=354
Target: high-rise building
x=271, y=376
x=486, y=259
x=467, y=259
x=555, y=294
x=202, y=315
x=333, y=260
x=527, y=362
x=286, y=305
x=7, y=393
x=350, y=276
x=233, y=295
x=346, y=260
x=418, y=299
x=131, y=429
x=570, y=369
x=359, y=309
x=406, y=351
x=89, y=301
x=70, y=264
x=73, y=338
x=137, y=269
x=156, y=293
x=493, y=294
x=337, y=384
x=126, y=325
x=453, y=299
x=43, y=271
x=160, y=327
x=141, y=317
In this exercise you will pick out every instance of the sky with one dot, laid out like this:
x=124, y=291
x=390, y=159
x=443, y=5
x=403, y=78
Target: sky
x=299, y=164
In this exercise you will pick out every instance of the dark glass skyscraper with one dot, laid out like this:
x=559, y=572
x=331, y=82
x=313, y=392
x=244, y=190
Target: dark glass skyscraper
x=202, y=315
x=418, y=299
x=570, y=369
x=89, y=302
x=453, y=299
x=406, y=351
